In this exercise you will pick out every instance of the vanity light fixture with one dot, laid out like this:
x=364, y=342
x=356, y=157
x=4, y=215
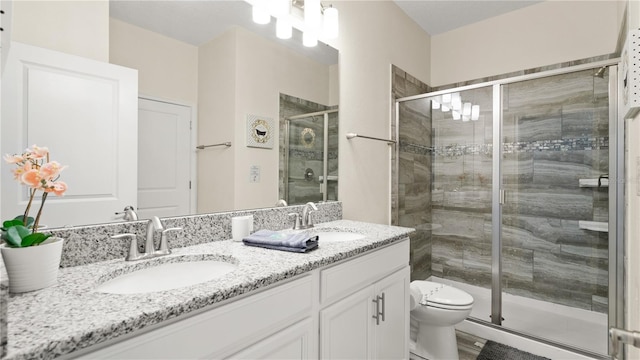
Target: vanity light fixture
x=317, y=22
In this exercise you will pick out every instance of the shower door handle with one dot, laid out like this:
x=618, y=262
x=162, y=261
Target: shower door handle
x=618, y=337
x=503, y=196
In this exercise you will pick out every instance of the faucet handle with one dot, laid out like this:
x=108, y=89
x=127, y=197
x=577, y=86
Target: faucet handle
x=296, y=221
x=163, y=249
x=134, y=253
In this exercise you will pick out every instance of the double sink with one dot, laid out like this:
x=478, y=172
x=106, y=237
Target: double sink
x=177, y=271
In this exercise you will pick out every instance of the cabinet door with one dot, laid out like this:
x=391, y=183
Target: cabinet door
x=296, y=342
x=345, y=327
x=392, y=334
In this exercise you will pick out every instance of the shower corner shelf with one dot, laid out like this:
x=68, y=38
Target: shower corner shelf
x=593, y=183
x=593, y=225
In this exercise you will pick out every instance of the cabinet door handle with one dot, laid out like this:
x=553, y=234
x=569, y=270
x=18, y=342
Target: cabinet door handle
x=382, y=299
x=377, y=315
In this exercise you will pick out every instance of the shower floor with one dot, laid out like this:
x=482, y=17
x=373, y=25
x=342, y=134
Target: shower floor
x=578, y=328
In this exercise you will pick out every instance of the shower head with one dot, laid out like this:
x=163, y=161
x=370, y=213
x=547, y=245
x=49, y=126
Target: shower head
x=600, y=72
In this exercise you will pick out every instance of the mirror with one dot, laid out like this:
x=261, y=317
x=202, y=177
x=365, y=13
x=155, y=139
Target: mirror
x=195, y=24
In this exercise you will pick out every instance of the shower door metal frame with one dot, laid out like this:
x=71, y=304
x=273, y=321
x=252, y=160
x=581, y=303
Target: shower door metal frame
x=616, y=191
x=325, y=152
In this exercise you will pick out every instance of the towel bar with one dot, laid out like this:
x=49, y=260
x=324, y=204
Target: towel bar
x=227, y=144
x=353, y=135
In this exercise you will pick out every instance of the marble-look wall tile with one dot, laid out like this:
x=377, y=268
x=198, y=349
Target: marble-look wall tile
x=411, y=181
x=555, y=132
x=537, y=200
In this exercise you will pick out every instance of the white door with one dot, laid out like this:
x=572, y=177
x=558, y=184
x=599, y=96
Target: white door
x=84, y=111
x=164, y=159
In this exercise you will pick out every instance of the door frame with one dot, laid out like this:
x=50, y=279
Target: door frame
x=193, y=157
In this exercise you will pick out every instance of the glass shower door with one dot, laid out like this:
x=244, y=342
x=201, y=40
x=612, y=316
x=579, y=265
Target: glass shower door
x=554, y=250
x=312, y=157
x=445, y=146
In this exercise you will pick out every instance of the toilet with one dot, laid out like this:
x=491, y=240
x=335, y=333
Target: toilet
x=435, y=310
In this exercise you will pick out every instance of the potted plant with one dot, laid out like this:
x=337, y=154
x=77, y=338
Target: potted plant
x=32, y=258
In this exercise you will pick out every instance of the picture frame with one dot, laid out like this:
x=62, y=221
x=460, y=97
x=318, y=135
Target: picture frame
x=260, y=131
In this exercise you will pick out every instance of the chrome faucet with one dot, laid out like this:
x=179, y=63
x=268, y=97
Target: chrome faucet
x=153, y=226
x=128, y=214
x=306, y=222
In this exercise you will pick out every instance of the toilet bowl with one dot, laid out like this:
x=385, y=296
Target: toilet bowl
x=435, y=310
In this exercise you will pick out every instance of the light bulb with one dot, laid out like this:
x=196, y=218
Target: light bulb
x=456, y=102
x=259, y=13
x=435, y=105
x=456, y=115
x=330, y=23
x=284, y=29
x=446, y=99
x=309, y=38
x=466, y=109
x=475, y=112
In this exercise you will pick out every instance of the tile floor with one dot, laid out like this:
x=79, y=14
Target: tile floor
x=469, y=347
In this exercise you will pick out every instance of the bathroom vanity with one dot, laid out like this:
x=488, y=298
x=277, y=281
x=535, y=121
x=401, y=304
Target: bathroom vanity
x=347, y=299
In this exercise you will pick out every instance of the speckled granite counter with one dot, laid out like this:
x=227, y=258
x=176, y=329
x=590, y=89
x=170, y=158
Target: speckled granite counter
x=71, y=315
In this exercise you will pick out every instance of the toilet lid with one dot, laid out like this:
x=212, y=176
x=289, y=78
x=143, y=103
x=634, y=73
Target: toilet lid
x=440, y=295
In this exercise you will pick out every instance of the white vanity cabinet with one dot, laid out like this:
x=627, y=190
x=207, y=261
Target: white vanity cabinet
x=356, y=309
x=229, y=329
x=367, y=316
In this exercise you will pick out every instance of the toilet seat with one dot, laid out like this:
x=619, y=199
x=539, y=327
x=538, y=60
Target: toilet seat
x=443, y=296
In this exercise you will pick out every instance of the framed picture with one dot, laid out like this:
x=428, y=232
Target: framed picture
x=260, y=131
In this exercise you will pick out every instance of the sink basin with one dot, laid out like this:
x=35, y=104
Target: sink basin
x=169, y=273
x=337, y=236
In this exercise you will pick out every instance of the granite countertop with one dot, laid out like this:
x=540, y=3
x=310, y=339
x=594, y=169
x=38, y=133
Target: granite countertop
x=71, y=315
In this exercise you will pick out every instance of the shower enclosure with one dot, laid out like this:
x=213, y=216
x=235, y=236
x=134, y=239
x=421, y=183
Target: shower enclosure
x=311, y=157
x=511, y=190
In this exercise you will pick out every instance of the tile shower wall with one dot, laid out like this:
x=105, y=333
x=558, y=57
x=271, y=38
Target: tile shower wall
x=555, y=133
x=411, y=195
x=306, y=156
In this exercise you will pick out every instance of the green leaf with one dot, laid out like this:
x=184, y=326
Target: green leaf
x=9, y=223
x=30, y=220
x=34, y=239
x=13, y=237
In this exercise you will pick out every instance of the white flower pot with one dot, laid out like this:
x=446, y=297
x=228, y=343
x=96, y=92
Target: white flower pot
x=34, y=267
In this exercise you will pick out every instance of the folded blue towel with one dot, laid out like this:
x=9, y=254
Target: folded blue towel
x=297, y=242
